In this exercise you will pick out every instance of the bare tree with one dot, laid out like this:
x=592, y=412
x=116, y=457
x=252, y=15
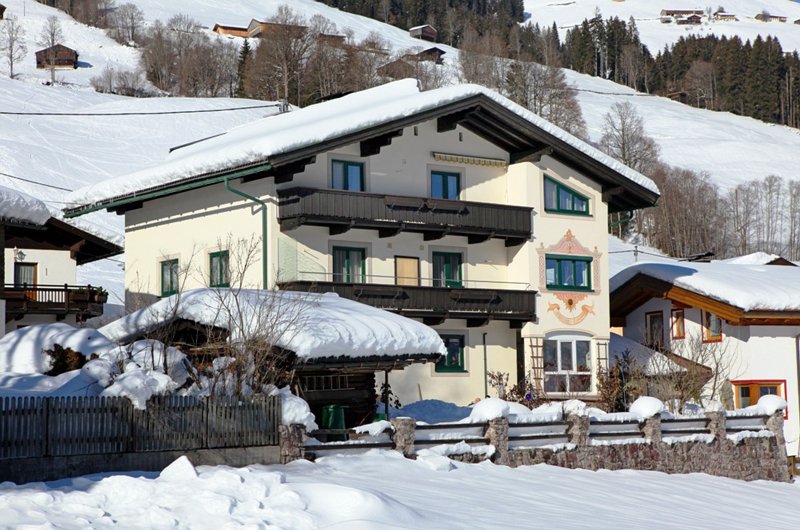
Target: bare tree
x=49, y=37
x=625, y=139
x=12, y=42
x=127, y=23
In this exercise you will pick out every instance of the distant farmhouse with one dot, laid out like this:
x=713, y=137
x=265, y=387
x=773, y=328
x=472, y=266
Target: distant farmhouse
x=723, y=16
x=692, y=20
x=424, y=32
x=58, y=56
x=766, y=17
x=405, y=66
x=681, y=12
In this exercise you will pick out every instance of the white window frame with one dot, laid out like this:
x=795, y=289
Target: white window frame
x=566, y=338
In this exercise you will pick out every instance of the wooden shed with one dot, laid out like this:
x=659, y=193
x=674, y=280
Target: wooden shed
x=424, y=32
x=58, y=56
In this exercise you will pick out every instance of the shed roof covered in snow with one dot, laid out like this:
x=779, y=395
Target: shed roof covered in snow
x=741, y=294
x=285, y=143
x=314, y=326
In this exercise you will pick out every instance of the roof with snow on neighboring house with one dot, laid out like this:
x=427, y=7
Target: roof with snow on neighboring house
x=747, y=287
x=652, y=362
x=276, y=139
x=19, y=207
x=312, y=325
x=758, y=258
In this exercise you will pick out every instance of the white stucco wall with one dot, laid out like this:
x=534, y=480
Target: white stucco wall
x=54, y=267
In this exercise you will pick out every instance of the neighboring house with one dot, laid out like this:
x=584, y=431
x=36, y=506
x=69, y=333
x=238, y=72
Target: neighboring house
x=236, y=31
x=681, y=12
x=422, y=203
x=424, y=32
x=331, y=347
x=41, y=255
x=759, y=258
x=262, y=30
x=433, y=55
x=797, y=21
x=723, y=16
x=58, y=56
x=766, y=17
x=748, y=315
x=692, y=20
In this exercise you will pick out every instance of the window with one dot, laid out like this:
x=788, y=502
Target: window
x=347, y=175
x=654, y=332
x=169, y=277
x=220, y=272
x=712, y=327
x=25, y=274
x=453, y=360
x=445, y=185
x=447, y=269
x=567, y=365
x=678, y=324
x=349, y=264
x=561, y=199
x=572, y=273
x=748, y=393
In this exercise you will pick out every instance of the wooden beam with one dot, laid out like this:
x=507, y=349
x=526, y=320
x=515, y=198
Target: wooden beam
x=372, y=146
x=292, y=223
x=531, y=155
x=477, y=322
x=74, y=249
x=434, y=235
x=391, y=231
x=284, y=173
x=120, y=210
x=610, y=193
x=451, y=121
x=515, y=241
x=434, y=320
x=336, y=230
x=479, y=238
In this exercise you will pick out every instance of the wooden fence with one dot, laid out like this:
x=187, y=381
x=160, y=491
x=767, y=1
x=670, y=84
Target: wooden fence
x=69, y=426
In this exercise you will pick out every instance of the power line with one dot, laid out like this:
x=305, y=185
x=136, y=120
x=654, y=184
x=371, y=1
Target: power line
x=35, y=182
x=195, y=111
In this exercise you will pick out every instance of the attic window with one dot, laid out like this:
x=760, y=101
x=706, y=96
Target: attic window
x=559, y=198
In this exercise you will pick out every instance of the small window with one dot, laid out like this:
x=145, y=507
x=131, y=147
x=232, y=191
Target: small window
x=346, y=175
x=561, y=199
x=712, y=327
x=678, y=324
x=220, y=272
x=654, y=332
x=445, y=185
x=169, y=277
x=567, y=365
x=349, y=264
x=25, y=274
x=573, y=273
x=453, y=360
x=447, y=269
x=748, y=393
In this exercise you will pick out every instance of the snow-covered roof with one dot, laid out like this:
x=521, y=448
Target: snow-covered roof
x=652, y=362
x=756, y=258
x=312, y=325
x=748, y=287
x=21, y=207
x=260, y=141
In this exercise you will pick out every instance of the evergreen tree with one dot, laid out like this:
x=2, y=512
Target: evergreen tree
x=244, y=58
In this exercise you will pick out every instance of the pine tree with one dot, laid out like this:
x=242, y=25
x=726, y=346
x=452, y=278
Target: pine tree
x=244, y=56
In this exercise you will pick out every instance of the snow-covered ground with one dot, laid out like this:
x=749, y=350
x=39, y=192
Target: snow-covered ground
x=382, y=490
x=568, y=13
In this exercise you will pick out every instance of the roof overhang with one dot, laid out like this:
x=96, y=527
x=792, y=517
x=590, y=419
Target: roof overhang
x=642, y=288
x=477, y=113
x=58, y=235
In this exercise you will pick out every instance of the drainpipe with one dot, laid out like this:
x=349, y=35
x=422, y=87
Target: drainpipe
x=264, y=265
x=485, y=369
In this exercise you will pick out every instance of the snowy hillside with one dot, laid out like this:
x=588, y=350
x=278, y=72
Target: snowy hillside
x=646, y=13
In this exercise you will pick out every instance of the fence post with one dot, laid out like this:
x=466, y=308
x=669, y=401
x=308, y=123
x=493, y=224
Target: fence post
x=716, y=424
x=497, y=435
x=775, y=426
x=46, y=429
x=291, y=442
x=404, y=435
x=651, y=428
x=578, y=429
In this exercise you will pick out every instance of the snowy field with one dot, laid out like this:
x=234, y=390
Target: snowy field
x=655, y=35
x=382, y=490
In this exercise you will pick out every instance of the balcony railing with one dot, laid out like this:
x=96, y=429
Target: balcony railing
x=59, y=300
x=391, y=214
x=435, y=303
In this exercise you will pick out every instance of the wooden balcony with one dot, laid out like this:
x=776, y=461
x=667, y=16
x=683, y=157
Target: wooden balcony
x=434, y=304
x=84, y=301
x=341, y=211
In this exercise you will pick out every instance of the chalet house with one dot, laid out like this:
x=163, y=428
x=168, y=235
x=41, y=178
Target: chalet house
x=766, y=17
x=797, y=21
x=747, y=315
x=675, y=13
x=41, y=255
x=58, y=56
x=433, y=55
x=236, y=31
x=692, y=20
x=723, y=16
x=424, y=32
x=260, y=30
x=421, y=203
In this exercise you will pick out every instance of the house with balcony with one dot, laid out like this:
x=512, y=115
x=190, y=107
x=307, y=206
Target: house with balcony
x=454, y=207
x=739, y=318
x=41, y=256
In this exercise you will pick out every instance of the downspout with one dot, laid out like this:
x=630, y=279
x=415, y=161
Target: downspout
x=264, y=265
x=797, y=365
x=485, y=369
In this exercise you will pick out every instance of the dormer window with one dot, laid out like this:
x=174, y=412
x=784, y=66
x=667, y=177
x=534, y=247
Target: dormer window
x=559, y=198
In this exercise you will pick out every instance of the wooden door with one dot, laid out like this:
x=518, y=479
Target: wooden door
x=26, y=275
x=406, y=270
